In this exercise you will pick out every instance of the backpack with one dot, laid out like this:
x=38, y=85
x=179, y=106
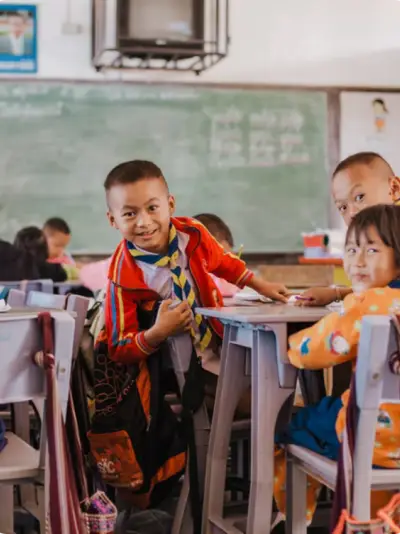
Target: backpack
x=136, y=440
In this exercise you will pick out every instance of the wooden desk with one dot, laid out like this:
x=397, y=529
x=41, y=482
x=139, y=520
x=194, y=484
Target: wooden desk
x=254, y=352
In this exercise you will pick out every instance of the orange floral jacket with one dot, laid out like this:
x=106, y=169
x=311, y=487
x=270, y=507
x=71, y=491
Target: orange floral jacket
x=334, y=340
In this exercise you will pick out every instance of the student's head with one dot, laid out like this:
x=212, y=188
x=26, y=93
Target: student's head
x=372, y=250
x=140, y=205
x=58, y=235
x=217, y=228
x=361, y=180
x=17, y=24
x=32, y=240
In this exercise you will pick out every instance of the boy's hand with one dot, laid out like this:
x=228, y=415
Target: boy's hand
x=170, y=321
x=274, y=291
x=317, y=296
x=268, y=289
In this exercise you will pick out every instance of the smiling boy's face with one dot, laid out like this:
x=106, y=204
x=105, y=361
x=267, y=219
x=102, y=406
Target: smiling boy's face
x=361, y=186
x=142, y=212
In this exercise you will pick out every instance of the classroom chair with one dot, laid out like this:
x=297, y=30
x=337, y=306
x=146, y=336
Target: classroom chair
x=16, y=298
x=46, y=286
x=77, y=306
x=72, y=303
x=22, y=380
x=374, y=384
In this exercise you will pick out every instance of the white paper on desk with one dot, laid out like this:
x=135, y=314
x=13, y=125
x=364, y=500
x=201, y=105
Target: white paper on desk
x=292, y=299
x=4, y=307
x=249, y=295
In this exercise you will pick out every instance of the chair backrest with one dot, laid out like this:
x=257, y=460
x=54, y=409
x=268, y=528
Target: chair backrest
x=37, y=299
x=72, y=303
x=375, y=384
x=374, y=381
x=20, y=378
x=16, y=298
x=79, y=305
x=46, y=286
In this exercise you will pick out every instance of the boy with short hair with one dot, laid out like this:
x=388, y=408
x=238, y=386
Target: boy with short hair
x=58, y=236
x=164, y=258
x=359, y=181
x=218, y=229
x=222, y=233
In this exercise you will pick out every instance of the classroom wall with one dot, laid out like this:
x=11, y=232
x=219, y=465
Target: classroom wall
x=315, y=42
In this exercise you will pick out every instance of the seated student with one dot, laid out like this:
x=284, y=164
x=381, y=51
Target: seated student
x=58, y=235
x=372, y=263
x=217, y=228
x=163, y=257
x=361, y=180
x=31, y=243
x=14, y=265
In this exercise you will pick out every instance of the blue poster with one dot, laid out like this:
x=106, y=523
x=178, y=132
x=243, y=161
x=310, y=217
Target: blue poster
x=18, y=38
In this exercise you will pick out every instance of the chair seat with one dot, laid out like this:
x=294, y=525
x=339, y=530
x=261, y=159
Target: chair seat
x=325, y=470
x=18, y=460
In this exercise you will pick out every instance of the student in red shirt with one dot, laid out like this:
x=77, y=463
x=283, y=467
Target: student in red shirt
x=162, y=257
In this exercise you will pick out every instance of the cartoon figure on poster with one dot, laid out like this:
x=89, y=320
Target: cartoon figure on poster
x=18, y=38
x=380, y=114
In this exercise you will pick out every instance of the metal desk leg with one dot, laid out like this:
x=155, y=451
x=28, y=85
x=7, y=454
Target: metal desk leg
x=267, y=399
x=231, y=385
x=7, y=509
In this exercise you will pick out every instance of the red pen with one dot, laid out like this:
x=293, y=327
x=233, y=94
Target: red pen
x=308, y=299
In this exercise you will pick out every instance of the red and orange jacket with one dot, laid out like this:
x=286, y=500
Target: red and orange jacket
x=127, y=290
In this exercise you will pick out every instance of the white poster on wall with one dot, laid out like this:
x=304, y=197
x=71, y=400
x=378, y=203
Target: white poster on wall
x=371, y=122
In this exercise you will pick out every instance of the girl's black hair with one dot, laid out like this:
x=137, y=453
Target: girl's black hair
x=385, y=219
x=31, y=240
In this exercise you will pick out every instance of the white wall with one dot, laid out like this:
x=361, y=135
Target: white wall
x=314, y=42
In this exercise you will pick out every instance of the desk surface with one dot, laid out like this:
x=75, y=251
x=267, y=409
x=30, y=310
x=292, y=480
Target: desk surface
x=20, y=312
x=266, y=313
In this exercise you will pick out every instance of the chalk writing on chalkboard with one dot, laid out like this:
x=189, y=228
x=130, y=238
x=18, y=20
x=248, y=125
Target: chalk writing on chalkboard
x=268, y=138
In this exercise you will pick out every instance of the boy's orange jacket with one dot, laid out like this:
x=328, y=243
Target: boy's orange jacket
x=127, y=290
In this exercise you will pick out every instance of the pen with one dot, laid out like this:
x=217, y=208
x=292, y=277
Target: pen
x=308, y=299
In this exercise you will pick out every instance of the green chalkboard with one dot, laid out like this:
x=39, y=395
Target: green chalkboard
x=257, y=158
